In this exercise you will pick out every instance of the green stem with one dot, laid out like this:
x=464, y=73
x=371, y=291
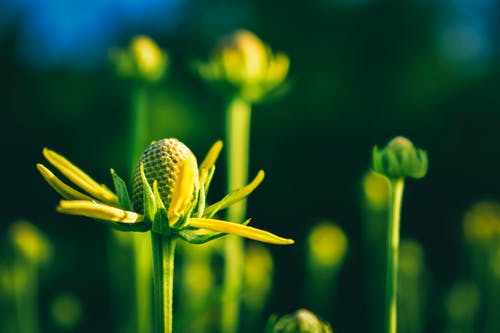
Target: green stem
x=238, y=115
x=26, y=289
x=163, y=280
x=143, y=280
x=397, y=186
x=141, y=259
x=140, y=122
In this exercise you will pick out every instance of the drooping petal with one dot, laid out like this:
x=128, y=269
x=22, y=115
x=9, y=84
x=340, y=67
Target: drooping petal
x=98, y=211
x=234, y=196
x=80, y=178
x=59, y=186
x=240, y=230
x=182, y=194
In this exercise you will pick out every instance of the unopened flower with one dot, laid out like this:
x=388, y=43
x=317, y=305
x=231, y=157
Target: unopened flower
x=243, y=65
x=169, y=195
x=301, y=321
x=142, y=60
x=400, y=159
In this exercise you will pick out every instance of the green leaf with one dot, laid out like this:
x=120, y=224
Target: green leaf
x=121, y=191
x=198, y=236
x=150, y=207
x=160, y=222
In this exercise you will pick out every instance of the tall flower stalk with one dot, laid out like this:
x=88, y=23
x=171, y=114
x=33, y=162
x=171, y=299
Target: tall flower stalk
x=246, y=71
x=169, y=199
x=145, y=63
x=398, y=160
x=238, y=116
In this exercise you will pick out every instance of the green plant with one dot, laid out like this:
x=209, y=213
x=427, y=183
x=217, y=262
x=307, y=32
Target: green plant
x=398, y=160
x=168, y=199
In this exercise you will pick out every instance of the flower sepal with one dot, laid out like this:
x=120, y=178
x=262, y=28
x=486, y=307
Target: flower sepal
x=154, y=209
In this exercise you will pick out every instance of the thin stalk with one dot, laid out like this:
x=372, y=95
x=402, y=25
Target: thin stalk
x=163, y=279
x=26, y=280
x=140, y=243
x=397, y=186
x=140, y=122
x=238, y=115
x=143, y=280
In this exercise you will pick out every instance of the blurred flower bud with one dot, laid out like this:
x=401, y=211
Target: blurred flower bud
x=400, y=159
x=66, y=311
x=245, y=66
x=301, y=321
x=482, y=222
x=30, y=242
x=376, y=190
x=258, y=275
x=327, y=245
x=462, y=303
x=143, y=60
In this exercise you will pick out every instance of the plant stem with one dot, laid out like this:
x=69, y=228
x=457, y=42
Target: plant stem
x=163, y=280
x=140, y=121
x=143, y=280
x=238, y=115
x=141, y=258
x=26, y=290
x=397, y=186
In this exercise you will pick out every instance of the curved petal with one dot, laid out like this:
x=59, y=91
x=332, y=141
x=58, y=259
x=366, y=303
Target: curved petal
x=80, y=178
x=59, y=186
x=98, y=211
x=240, y=230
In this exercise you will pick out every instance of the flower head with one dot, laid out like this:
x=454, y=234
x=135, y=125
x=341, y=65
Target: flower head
x=301, y=321
x=245, y=66
x=169, y=195
x=400, y=159
x=143, y=60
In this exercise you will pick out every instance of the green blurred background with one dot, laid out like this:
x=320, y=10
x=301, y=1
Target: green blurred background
x=361, y=73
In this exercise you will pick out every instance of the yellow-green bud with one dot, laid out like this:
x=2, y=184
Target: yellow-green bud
x=400, y=159
x=143, y=60
x=173, y=166
x=245, y=66
x=301, y=321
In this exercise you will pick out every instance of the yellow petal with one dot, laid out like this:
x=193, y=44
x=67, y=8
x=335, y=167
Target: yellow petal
x=240, y=230
x=64, y=190
x=98, y=211
x=80, y=178
x=211, y=157
x=184, y=187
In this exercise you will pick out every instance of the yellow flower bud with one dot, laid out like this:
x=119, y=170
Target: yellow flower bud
x=143, y=60
x=245, y=66
x=174, y=167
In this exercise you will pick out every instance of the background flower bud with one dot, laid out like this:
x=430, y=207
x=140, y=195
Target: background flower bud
x=142, y=60
x=243, y=65
x=400, y=159
x=301, y=321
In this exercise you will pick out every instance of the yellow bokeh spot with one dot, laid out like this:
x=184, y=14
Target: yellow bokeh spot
x=30, y=242
x=327, y=244
x=258, y=265
x=376, y=189
x=198, y=277
x=411, y=258
x=482, y=222
x=146, y=51
x=66, y=311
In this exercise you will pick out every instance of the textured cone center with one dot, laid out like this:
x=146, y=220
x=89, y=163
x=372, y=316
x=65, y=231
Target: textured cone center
x=162, y=162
